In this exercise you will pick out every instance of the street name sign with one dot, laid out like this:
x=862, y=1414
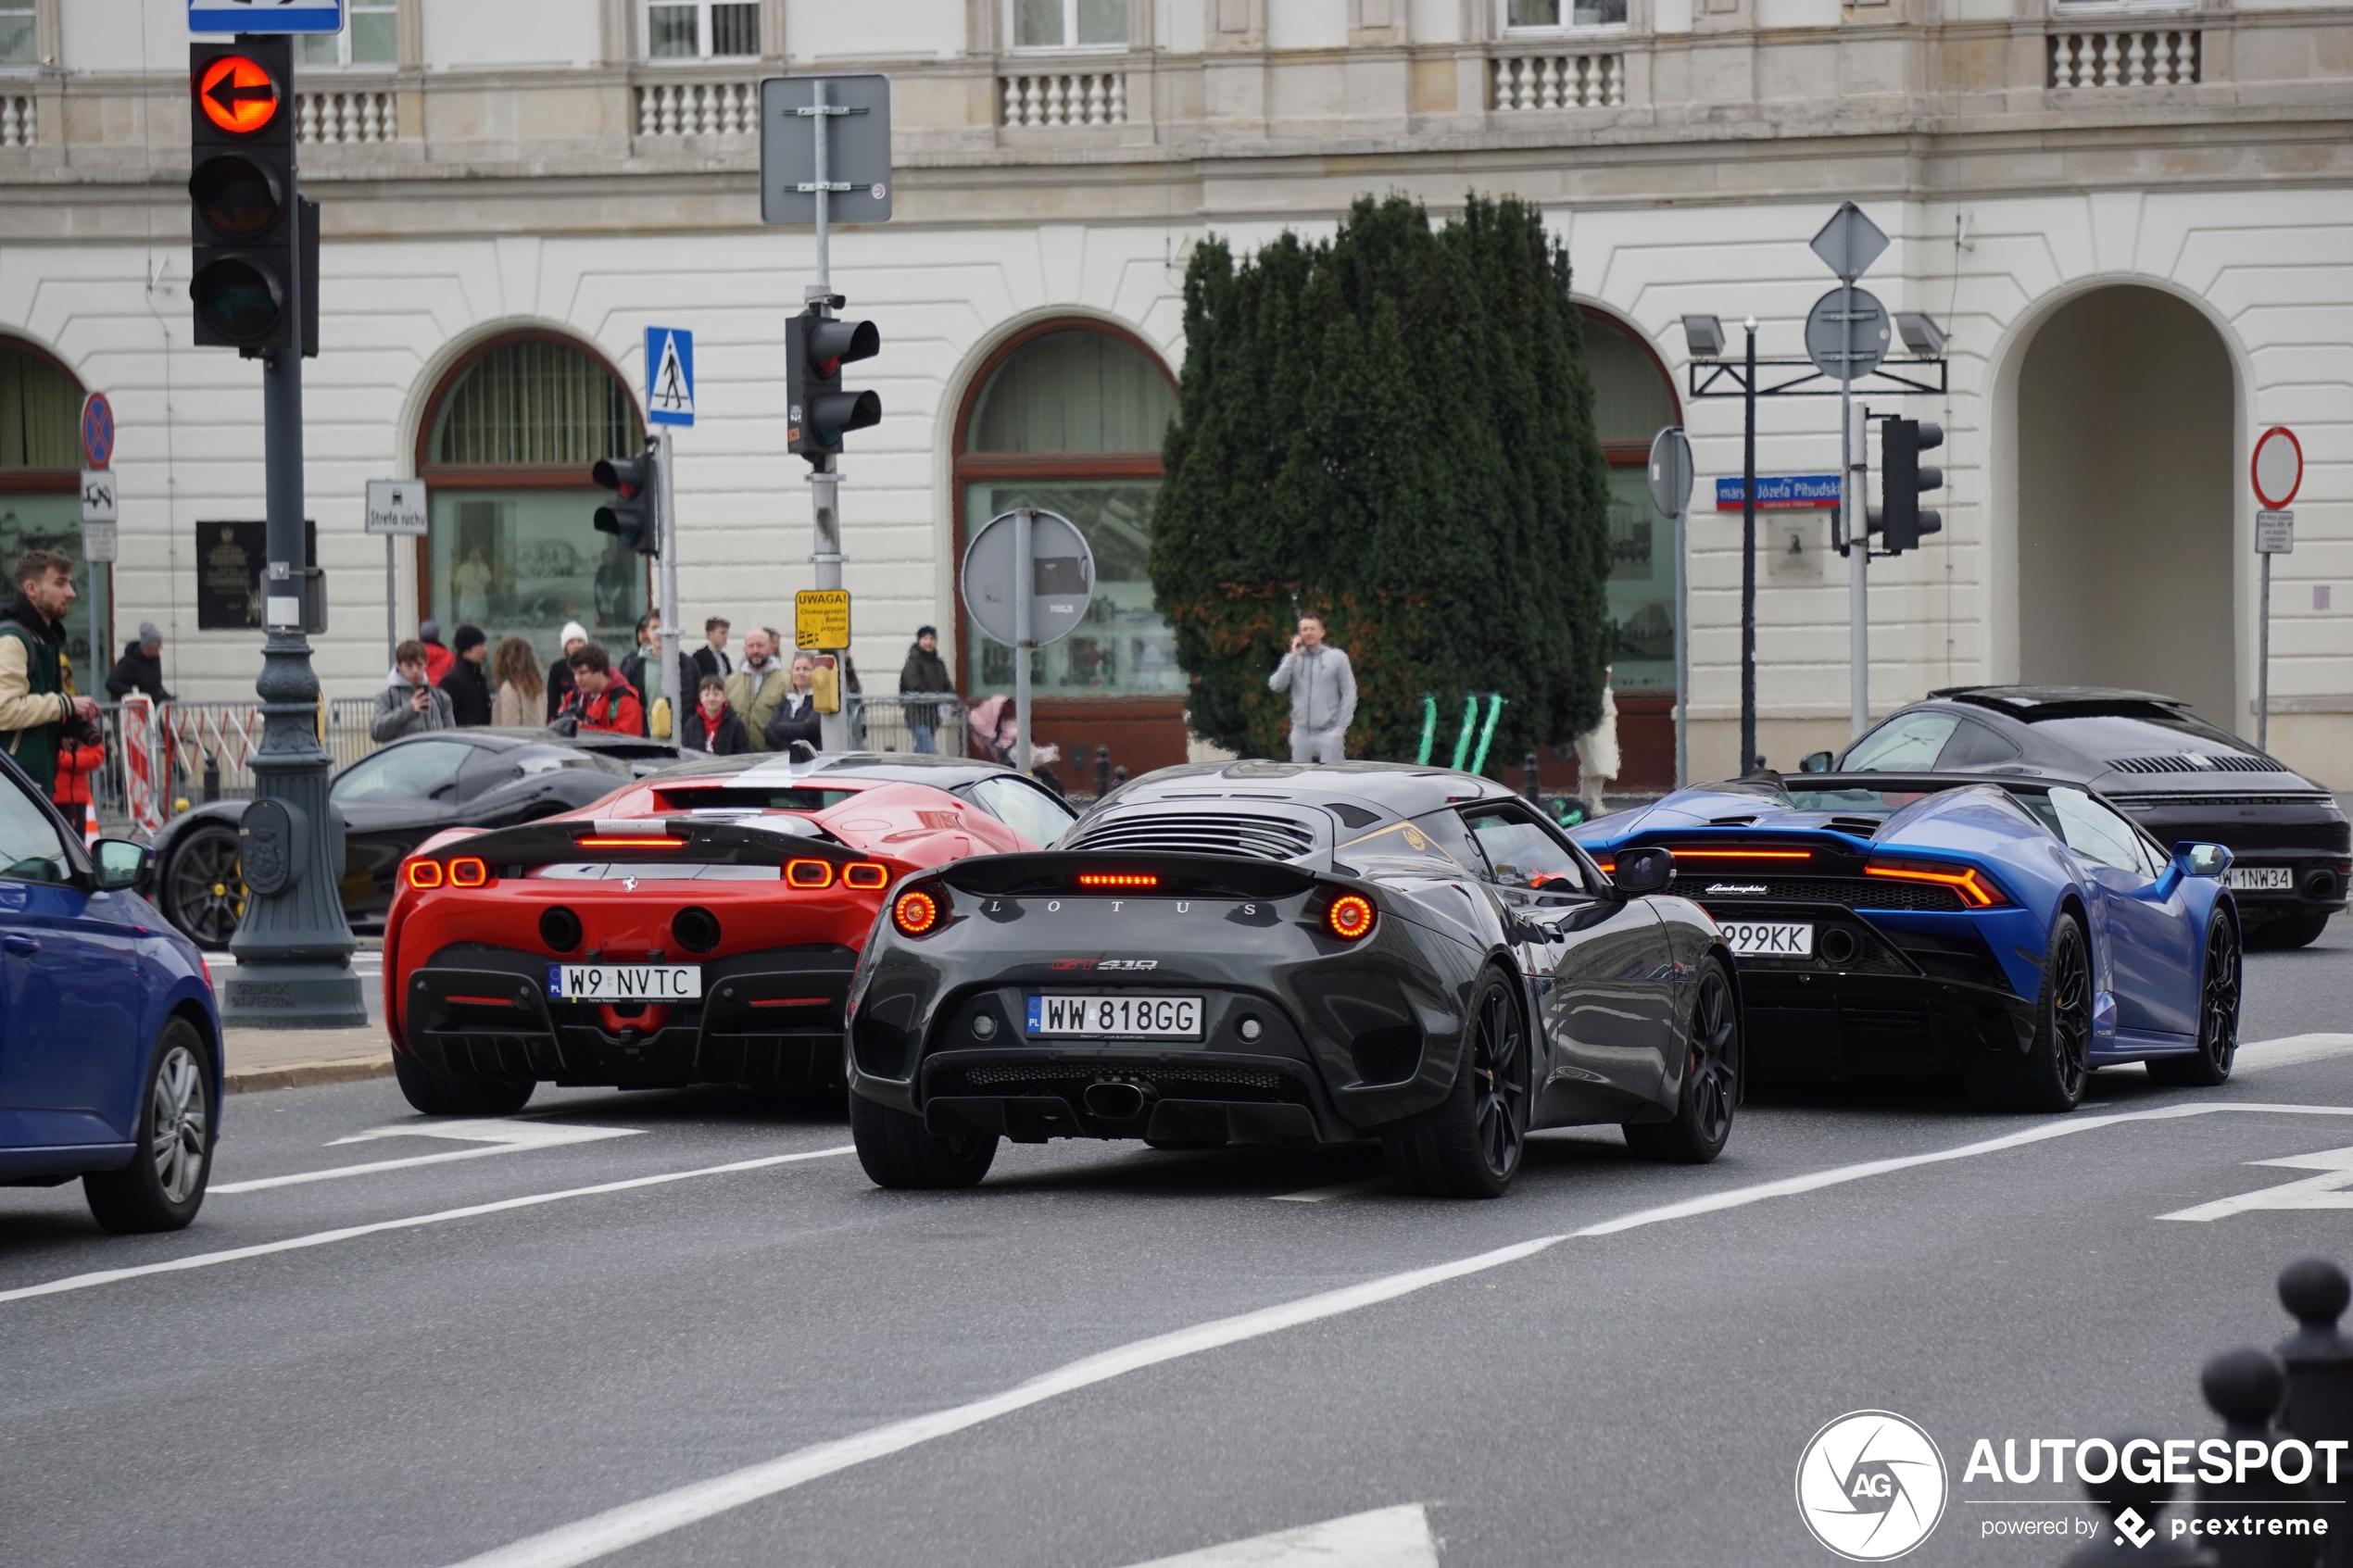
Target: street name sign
x=264, y=15
x=397, y=508
x=820, y=618
x=857, y=113
x=1781, y=493
x=669, y=377
x=2275, y=533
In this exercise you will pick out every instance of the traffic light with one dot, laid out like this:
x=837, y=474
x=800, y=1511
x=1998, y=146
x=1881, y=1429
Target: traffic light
x=1899, y=519
x=255, y=245
x=630, y=517
x=817, y=411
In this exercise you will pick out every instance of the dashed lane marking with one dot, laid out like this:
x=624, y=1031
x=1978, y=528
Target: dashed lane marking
x=1345, y=1189
x=632, y=1524
x=1386, y=1537
x=496, y=1135
x=415, y=1221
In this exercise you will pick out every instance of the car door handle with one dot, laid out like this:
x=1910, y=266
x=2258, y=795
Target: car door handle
x=20, y=944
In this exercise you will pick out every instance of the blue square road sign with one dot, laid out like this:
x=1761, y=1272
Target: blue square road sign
x=264, y=15
x=670, y=376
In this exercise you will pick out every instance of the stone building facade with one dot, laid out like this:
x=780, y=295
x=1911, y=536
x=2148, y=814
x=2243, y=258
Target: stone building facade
x=2133, y=221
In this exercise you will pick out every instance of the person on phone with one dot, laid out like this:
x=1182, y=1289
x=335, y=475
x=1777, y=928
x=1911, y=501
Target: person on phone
x=409, y=704
x=1323, y=694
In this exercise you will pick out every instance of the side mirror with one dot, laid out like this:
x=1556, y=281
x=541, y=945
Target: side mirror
x=1642, y=871
x=2201, y=859
x=1815, y=762
x=120, y=862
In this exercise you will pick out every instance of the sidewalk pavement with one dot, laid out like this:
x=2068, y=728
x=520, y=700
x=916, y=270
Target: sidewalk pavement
x=290, y=1059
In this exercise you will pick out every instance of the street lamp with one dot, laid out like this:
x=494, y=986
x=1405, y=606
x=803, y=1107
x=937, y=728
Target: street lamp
x=1705, y=336
x=1920, y=335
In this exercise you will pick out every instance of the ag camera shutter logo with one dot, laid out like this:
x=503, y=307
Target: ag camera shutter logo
x=1871, y=1485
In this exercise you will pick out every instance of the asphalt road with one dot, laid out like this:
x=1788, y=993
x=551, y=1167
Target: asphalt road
x=486, y=1338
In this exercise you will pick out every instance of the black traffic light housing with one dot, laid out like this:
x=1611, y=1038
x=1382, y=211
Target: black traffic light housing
x=1899, y=519
x=256, y=243
x=630, y=516
x=818, y=412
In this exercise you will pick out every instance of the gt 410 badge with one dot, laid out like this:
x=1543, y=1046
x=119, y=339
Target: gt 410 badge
x=1105, y=966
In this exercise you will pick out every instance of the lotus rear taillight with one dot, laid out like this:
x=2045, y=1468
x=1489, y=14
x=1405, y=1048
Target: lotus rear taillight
x=915, y=912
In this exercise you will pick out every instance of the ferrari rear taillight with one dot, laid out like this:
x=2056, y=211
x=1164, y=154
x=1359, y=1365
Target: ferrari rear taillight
x=865, y=875
x=425, y=873
x=1975, y=889
x=469, y=870
x=809, y=873
x=915, y=912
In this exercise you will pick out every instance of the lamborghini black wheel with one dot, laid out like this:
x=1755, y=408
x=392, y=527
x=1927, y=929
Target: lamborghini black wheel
x=2218, y=1016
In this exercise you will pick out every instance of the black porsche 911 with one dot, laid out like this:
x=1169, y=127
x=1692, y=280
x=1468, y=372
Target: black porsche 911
x=1271, y=952
x=389, y=802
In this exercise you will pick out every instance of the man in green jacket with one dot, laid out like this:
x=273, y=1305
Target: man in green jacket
x=759, y=684
x=34, y=705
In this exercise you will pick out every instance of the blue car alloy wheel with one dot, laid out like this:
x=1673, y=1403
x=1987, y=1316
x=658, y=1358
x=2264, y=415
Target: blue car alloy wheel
x=2218, y=1016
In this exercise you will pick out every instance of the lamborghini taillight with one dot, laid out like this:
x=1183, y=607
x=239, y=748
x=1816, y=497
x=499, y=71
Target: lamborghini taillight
x=1975, y=889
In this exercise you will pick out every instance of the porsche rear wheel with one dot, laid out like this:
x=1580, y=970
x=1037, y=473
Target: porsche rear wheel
x=2218, y=1017
x=1469, y=1144
x=204, y=890
x=2295, y=931
x=1703, y=1117
x=898, y=1153
x=2050, y=1076
x=449, y=1094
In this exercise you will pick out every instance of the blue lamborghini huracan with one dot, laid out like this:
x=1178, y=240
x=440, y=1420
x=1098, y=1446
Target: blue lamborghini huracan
x=2015, y=932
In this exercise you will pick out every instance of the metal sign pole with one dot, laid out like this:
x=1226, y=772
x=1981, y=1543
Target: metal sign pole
x=1024, y=571
x=1748, y=566
x=392, y=615
x=666, y=540
x=1682, y=661
x=1852, y=513
x=825, y=483
x=2263, y=666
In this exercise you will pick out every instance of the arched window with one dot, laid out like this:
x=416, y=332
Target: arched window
x=1070, y=417
x=1633, y=400
x=41, y=492
x=505, y=453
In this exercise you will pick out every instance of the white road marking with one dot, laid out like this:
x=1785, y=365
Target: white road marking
x=2323, y=1191
x=631, y=1524
x=348, y=1232
x=1386, y=1537
x=2292, y=1050
x=1345, y=1189
x=498, y=1137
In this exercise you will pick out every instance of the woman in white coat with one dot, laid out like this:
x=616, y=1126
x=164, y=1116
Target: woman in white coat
x=1597, y=760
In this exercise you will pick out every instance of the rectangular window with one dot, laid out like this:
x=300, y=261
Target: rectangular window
x=370, y=37
x=520, y=562
x=1524, y=14
x=1069, y=24
x=1641, y=584
x=19, y=45
x=693, y=30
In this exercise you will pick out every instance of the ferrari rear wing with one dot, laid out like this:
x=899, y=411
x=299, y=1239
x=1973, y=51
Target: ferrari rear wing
x=647, y=841
x=1141, y=873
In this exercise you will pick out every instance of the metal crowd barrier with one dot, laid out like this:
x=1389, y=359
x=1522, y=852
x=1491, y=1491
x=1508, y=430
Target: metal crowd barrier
x=898, y=723
x=160, y=755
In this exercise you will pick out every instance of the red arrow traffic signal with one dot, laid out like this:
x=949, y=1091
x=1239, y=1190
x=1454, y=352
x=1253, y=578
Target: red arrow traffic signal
x=238, y=95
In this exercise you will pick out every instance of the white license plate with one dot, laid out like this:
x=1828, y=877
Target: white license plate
x=2262, y=879
x=1142, y=1018
x=624, y=982
x=1767, y=939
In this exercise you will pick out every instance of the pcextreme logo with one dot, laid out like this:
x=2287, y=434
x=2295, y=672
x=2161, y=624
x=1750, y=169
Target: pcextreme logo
x=1871, y=1485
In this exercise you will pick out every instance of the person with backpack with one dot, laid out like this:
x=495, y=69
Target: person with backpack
x=35, y=707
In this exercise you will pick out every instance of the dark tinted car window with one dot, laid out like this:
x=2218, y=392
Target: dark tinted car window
x=1975, y=745
x=2149, y=729
x=31, y=850
x=1909, y=743
x=1520, y=851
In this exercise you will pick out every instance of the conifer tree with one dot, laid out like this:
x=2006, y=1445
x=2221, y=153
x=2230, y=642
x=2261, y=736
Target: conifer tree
x=1394, y=429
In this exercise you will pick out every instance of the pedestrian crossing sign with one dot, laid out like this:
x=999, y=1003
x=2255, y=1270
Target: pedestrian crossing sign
x=670, y=376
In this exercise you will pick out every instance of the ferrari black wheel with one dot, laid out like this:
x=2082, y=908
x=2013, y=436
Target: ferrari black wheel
x=2050, y=1076
x=2294, y=931
x=1469, y=1144
x=2218, y=1016
x=898, y=1153
x=449, y=1094
x=1703, y=1118
x=204, y=890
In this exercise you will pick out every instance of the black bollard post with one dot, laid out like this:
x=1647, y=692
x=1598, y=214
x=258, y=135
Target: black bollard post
x=2245, y=1388
x=1534, y=789
x=2134, y=1533
x=1102, y=772
x=1119, y=776
x=2319, y=1363
x=211, y=777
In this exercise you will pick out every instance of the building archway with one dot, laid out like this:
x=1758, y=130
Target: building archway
x=505, y=446
x=1634, y=399
x=1069, y=415
x=41, y=493
x=2126, y=434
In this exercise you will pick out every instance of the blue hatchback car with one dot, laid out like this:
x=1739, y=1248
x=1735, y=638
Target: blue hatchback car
x=109, y=1037
x=2013, y=931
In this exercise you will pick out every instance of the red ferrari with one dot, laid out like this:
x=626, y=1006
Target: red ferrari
x=698, y=927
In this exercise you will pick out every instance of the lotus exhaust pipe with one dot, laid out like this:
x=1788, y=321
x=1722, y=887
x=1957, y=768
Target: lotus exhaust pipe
x=1118, y=1100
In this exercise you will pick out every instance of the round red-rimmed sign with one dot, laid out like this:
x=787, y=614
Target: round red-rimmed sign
x=98, y=429
x=2277, y=467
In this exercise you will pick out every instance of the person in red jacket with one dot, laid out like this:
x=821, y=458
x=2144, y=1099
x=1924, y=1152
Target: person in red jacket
x=81, y=754
x=438, y=659
x=605, y=699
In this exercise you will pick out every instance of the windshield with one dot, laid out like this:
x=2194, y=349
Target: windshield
x=1909, y=743
x=1863, y=800
x=421, y=770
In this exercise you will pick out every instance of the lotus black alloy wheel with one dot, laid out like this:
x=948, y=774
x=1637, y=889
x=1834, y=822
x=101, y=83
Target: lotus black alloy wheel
x=898, y=1153
x=2050, y=1076
x=1711, y=1092
x=1469, y=1144
x=205, y=891
x=2218, y=1016
x=164, y=1184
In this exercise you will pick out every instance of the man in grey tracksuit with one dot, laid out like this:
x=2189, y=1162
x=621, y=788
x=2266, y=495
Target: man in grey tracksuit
x=1323, y=694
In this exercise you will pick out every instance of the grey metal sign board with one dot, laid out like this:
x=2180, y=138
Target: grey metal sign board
x=857, y=148
x=397, y=508
x=1061, y=578
x=1671, y=471
x=1850, y=241
x=1826, y=336
x=2275, y=532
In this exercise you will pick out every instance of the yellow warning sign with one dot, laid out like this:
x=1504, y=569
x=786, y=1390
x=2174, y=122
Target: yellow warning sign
x=821, y=617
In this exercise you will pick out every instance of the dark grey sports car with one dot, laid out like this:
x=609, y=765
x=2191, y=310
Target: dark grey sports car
x=1267, y=952
x=389, y=802
x=2178, y=776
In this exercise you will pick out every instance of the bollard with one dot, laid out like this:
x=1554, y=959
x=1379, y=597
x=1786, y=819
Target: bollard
x=211, y=778
x=1102, y=772
x=2245, y=1388
x=1534, y=789
x=2134, y=1533
x=1119, y=776
x=2319, y=1363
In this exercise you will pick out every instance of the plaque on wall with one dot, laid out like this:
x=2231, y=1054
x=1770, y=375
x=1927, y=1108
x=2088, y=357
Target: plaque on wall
x=231, y=559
